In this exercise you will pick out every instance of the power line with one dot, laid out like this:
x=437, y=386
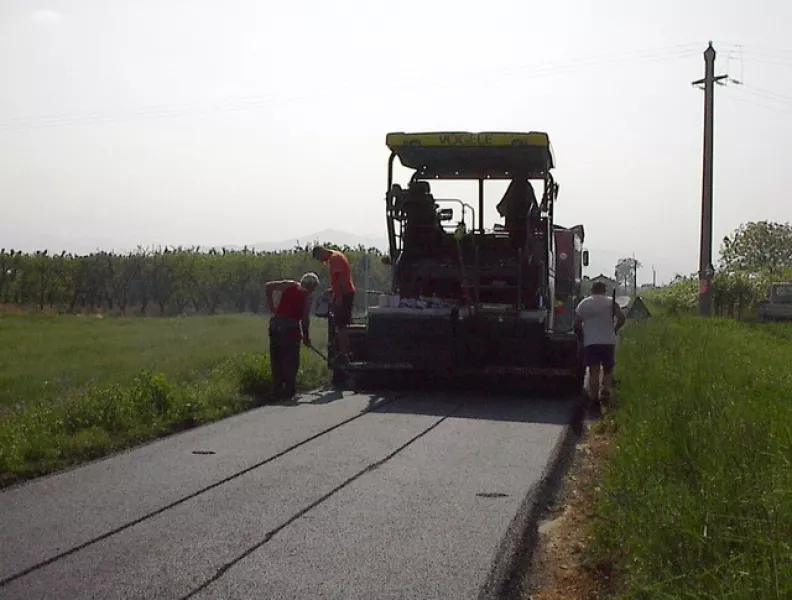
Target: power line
x=769, y=62
x=752, y=92
x=559, y=68
x=759, y=54
x=752, y=51
x=739, y=55
x=746, y=100
x=770, y=50
x=766, y=93
x=780, y=100
x=757, y=48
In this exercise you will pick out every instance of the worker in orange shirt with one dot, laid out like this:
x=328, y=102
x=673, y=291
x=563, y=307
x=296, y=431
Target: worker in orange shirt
x=343, y=290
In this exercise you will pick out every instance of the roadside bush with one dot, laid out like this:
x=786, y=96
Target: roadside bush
x=734, y=294
x=254, y=375
x=41, y=437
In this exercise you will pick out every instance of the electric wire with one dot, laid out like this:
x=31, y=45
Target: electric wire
x=255, y=101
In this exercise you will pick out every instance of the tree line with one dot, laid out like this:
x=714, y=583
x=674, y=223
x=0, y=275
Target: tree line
x=754, y=256
x=168, y=281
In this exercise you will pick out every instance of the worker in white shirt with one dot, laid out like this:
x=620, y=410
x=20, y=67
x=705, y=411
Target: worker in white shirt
x=596, y=315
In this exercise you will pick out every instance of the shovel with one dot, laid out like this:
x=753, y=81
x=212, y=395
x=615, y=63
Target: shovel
x=319, y=353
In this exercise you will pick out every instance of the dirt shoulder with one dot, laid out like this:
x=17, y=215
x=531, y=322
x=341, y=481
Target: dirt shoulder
x=560, y=569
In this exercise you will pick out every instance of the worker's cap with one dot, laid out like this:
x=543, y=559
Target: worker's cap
x=309, y=279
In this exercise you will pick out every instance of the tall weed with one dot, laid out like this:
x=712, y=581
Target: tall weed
x=699, y=490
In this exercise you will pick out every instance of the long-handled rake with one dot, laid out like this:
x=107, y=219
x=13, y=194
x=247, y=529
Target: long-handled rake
x=319, y=353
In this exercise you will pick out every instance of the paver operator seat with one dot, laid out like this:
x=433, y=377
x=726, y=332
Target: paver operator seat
x=518, y=207
x=423, y=230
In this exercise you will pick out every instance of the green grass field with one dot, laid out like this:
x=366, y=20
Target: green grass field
x=73, y=388
x=698, y=499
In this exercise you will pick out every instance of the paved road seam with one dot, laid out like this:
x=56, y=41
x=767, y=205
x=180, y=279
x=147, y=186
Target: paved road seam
x=184, y=499
x=272, y=533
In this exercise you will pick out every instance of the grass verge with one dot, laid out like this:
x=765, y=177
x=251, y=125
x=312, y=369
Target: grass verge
x=47, y=357
x=189, y=377
x=698, y=499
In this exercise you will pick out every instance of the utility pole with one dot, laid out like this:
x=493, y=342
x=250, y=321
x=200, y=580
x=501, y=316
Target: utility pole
x=654, y=277
x=635, y=276
x=706, y=269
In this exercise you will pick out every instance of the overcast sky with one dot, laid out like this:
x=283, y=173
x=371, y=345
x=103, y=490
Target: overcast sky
x=126, y=122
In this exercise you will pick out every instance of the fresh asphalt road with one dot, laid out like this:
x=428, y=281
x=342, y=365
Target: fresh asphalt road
x=334, y=496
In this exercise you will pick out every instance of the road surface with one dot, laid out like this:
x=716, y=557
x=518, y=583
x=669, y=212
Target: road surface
x=333, y=496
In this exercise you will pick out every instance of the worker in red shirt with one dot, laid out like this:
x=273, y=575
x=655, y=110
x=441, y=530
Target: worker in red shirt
x=343, y=291
x=289, y=324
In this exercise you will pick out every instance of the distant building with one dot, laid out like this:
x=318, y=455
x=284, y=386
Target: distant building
x=610, y=284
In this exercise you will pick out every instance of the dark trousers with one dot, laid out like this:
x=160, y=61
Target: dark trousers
x=600, y=354
x=285, y=341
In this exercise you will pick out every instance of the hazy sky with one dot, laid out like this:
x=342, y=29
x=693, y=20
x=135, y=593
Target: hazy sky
x=126, y=122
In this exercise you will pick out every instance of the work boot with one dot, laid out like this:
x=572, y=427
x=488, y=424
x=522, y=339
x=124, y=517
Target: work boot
x=339, y=381
x=605, y=397
x=275, y=394
x=594, y=403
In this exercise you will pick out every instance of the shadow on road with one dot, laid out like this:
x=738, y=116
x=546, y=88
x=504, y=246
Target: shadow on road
x=322, y=397
x=439, y=402
x=328, y=396
x=490, y=408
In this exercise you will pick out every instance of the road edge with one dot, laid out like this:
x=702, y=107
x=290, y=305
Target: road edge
x=514, y=557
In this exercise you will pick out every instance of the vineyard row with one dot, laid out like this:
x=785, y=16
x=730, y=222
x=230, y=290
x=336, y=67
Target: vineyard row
x=169, y=281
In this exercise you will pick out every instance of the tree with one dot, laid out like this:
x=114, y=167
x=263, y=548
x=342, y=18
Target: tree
x=626, y=272
x=758, y=247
